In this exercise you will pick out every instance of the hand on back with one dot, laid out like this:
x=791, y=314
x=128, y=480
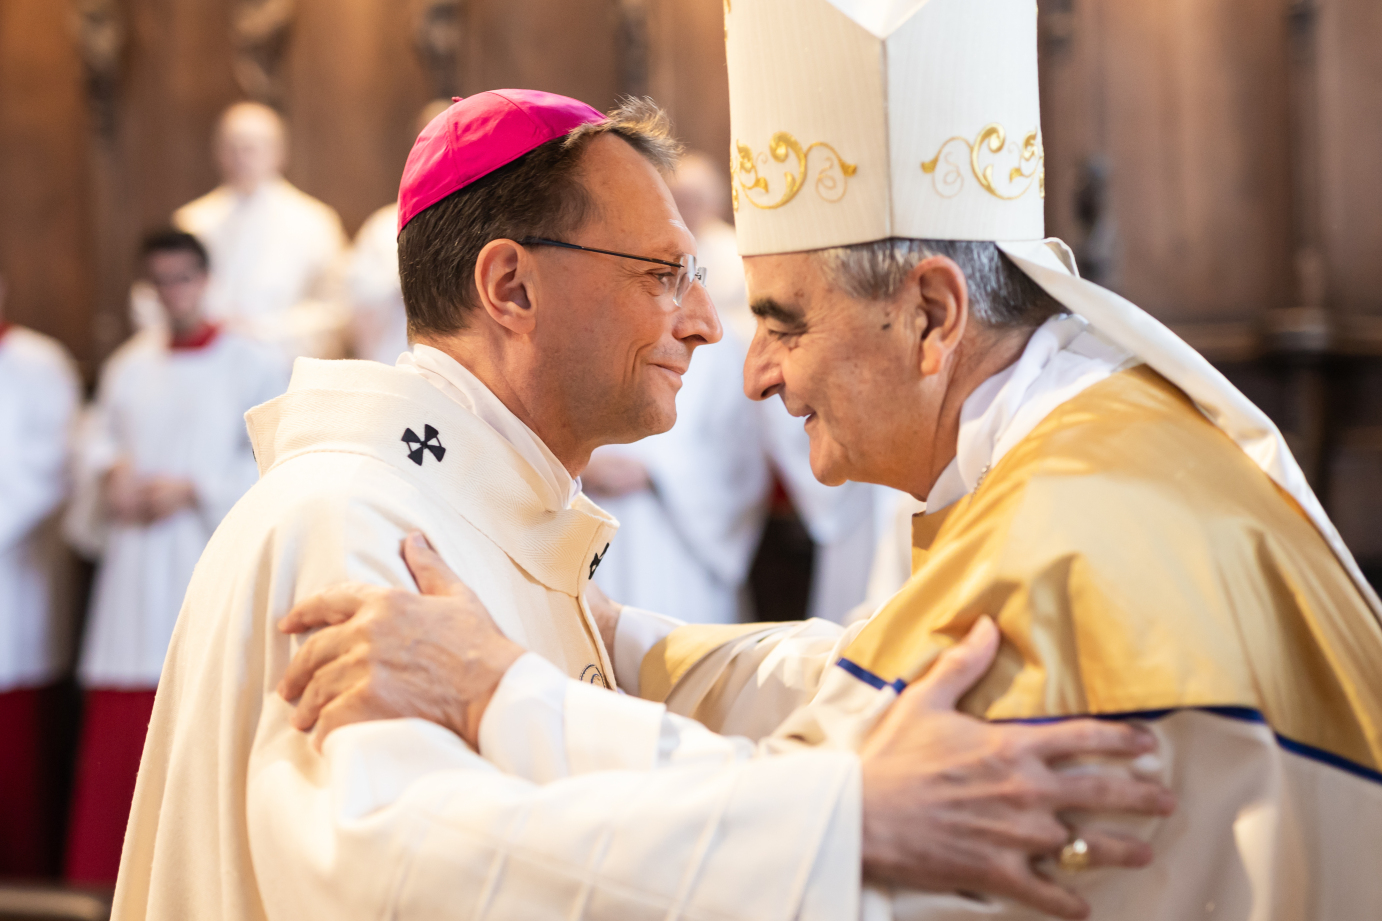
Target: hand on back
x=951, y=803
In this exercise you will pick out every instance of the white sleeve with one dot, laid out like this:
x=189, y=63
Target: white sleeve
x=34, y=466
x=401, y=819
x=638, y=632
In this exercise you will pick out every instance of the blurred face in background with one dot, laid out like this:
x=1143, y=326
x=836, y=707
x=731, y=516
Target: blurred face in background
x=250, y=146
x=179, y=279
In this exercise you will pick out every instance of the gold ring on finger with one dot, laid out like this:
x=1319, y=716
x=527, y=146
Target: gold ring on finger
x=1074, y=857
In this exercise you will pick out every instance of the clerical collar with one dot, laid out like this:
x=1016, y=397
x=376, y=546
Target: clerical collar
x=199, y=338
x=1062, y=359
x=456, y=381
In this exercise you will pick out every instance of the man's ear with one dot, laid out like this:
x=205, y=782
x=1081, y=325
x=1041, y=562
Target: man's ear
x=942, y=302
x=503, y=279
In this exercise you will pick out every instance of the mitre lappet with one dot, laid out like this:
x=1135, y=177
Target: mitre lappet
x=860, y=120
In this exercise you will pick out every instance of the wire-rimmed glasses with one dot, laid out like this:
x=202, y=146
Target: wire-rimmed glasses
x=687, y=270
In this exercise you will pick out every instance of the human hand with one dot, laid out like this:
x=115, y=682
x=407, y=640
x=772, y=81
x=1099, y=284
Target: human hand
x=613, y=474
x=125, y=494
x=165, y=496
x=606, y=614
x=385, y=653
x=952, y=803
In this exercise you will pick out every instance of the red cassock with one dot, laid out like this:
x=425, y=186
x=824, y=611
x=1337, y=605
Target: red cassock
x=114, y=724
x=25, y=830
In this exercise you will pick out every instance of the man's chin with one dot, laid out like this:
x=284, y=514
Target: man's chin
x=827, y=465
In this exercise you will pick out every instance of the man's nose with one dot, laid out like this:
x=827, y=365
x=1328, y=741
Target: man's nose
x=762, y=373
x=699, y=317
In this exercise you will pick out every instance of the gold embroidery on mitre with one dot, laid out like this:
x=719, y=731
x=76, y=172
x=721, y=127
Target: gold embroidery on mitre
x=948, y=174
x=747, y=168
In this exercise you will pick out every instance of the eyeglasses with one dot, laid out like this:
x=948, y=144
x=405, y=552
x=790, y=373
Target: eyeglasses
x=679, y=285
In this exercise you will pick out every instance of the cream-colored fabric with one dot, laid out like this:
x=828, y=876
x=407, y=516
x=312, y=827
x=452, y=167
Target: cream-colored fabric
x=456, y=381
x=855, y=121
x=237, y=817
x=39, y=397
x=1261, y=834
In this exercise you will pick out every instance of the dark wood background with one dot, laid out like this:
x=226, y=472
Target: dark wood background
x=1217, y=161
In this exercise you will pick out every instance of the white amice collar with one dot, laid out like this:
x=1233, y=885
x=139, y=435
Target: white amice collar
x=457, y=381
x=1062, y=359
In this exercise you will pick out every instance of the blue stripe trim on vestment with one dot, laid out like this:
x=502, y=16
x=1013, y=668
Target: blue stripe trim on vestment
x=869, y=678
x=1243, y=714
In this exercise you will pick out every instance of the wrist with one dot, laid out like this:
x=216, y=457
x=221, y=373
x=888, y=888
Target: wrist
x=485, y=669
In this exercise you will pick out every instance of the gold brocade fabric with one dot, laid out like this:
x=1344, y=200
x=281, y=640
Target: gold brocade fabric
x=1136, y=559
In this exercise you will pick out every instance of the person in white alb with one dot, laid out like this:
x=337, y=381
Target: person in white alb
x=162, y=457
x=1148, y=549
x=555, y=304
x=39, y=396
x=276, y=249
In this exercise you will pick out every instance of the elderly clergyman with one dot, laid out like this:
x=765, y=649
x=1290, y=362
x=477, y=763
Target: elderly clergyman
x=1138, y=529
x=554, y=303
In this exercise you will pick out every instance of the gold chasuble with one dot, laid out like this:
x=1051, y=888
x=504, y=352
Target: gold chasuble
x=1137, y=560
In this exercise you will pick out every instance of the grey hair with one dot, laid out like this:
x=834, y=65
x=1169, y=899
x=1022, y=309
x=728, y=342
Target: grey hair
x=642, y=123
x=1001, y=295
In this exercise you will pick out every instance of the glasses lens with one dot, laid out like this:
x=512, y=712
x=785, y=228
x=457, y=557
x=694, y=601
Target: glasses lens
x=685, y=277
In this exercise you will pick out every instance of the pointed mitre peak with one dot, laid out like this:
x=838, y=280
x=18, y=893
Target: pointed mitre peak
x=859, y=120
x=880, y=17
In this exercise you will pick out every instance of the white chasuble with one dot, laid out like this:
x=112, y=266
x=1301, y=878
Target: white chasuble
x=237, y=816
x=275, y=265
x=39, y=396
x=176, y=412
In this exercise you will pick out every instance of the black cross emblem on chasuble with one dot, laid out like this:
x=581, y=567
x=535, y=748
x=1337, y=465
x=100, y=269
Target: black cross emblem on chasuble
x=418, y=447
x=599, y=558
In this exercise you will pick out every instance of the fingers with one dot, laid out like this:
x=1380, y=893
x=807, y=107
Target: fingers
x=959, y=668
x=1058, y=741
x=432, y=576
x=335, y=605
x=316, y=653
x=1030, y=887
x=329, y=683
x=1111, y=792
x=1109, y=850
x=347, y=708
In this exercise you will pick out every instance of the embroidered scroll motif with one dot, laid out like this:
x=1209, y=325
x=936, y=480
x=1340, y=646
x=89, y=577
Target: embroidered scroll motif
x=948, y=173
x=831, y=180
x=418, y=447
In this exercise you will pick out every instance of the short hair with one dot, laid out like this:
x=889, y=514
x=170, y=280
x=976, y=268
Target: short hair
x=1001, y=296
x=171, y=240
x=537, y=195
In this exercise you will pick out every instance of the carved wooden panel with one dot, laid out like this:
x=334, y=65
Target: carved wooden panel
x=1185, y=105
x=46, y=250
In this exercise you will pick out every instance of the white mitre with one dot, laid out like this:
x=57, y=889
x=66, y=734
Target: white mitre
x=859, y=120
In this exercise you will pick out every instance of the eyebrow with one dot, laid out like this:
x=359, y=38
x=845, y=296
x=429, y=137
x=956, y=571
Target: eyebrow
x=769, y=309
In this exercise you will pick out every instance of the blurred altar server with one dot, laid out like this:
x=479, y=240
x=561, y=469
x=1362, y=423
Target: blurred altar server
x=277, y=250
x=378, y=323
x=39, y=395
x=162, y=457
